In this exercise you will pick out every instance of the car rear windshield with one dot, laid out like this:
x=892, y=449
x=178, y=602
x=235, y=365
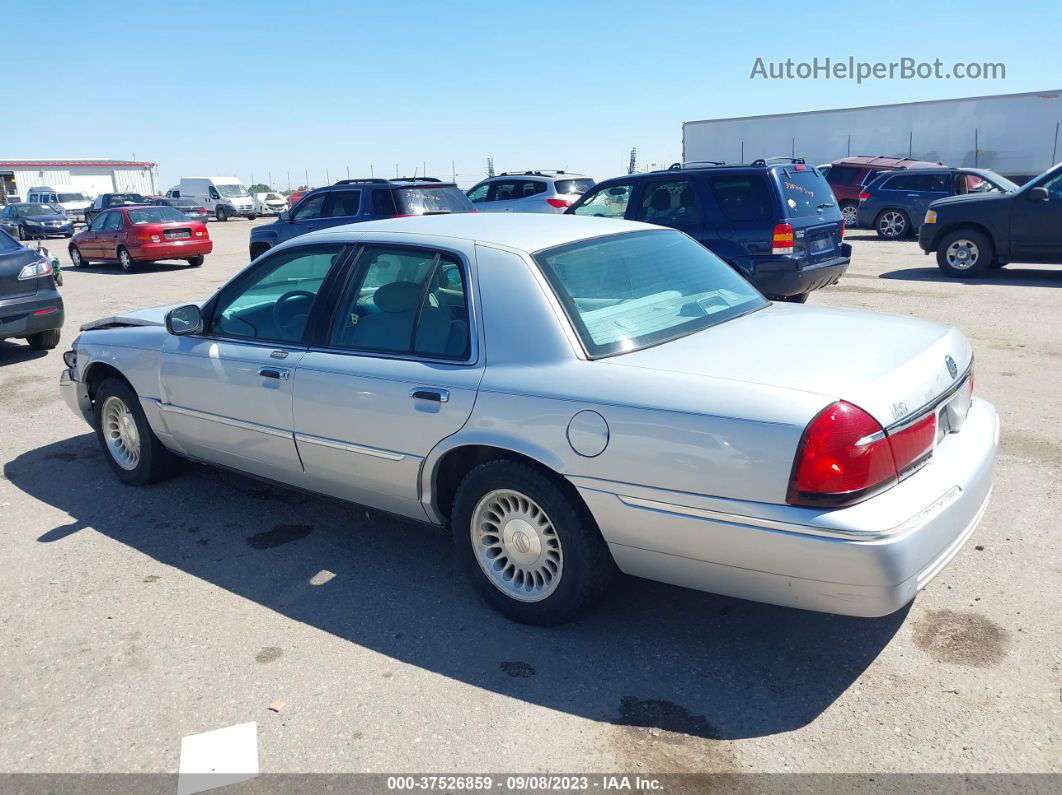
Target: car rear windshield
x=8, y=243
x=126, y=198
x=71, y=197
x=188, y=203
x=806, y=193
x=629, y=291
x=570, y=186
x=423, y=201
x=155, y=215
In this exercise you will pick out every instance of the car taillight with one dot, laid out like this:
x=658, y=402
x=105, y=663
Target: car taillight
x=845, y=456
x=36, y=270
x=558, y=203
x=782, y=239
x=863, y=196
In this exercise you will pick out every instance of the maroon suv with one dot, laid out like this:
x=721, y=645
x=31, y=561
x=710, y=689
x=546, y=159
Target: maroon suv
x=848, y=175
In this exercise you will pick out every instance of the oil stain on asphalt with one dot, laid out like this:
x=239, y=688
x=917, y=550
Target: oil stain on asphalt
x=268, y=654
x=279, y=535
x=518, y=669
x=969, y=639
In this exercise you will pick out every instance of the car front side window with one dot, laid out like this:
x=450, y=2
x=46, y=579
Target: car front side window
x=607, y=202
x=98, y=222
x=479, y=193
x=275, y=301
x=311, y=208
x=405, y=301
x=113, y=223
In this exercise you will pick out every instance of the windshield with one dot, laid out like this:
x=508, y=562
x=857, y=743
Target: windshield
x=27, y=210
x=155, y=215
x=990, y=182
x=71, y=197
x=806, y=193
x=272, y=197
x=232, y=191
x=420, y=201
x=573, y=186
x=630, y=291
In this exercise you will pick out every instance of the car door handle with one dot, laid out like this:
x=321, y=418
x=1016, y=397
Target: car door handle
x=273, y=372
x=912, y=195
x=429, y=393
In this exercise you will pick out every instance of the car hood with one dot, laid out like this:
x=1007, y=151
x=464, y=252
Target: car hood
x=889, y=365
x=154, y=316
x=48, y=217
x=967, y=199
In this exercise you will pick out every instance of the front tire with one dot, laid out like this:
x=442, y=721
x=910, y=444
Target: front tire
x=75, y=257
x=965, y=253
x=221, y=213
x=195, y=262
x=530, y=547
x=130, y=446
x=125, y=259
x=44, y=340
x=892, y=225
x=252, y=216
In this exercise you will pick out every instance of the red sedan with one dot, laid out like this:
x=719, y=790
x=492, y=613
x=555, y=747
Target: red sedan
x=128, y=235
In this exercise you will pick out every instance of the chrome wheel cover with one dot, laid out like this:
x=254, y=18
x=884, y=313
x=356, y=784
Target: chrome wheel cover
x=120, y=433
x=516, y=545
x=75, y=257
x=125, y=260
x=848, y=215
x=962, y=254
x=892, y=224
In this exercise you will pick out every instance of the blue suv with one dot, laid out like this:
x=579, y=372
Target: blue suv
x=352, y=200
x=774, y=221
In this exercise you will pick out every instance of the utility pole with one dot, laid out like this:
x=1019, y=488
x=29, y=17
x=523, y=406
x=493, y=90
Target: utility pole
x=490, y=166
x=372, y=172
x=633, y=165
x=328, y=178
x=289, y=181
x=348, y=172
x=270, y=179
x=306, y=174
x=453, y=166
x=396, y=170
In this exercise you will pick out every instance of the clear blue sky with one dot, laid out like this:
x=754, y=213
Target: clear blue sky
x=251, y=88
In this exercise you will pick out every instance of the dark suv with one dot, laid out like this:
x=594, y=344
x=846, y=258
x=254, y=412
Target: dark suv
x=106, y=201
x=975, y=232
x=776, y=222
x=894, y=204
x=352, y=200
x=849, y=175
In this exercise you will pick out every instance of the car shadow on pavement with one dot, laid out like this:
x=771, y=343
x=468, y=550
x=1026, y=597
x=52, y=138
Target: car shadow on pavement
x=115, y=270
x=16, y=352
x=646, y=655
x=1012, y=276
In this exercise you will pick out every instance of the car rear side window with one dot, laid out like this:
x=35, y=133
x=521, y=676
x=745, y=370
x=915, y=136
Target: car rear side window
x=428, y=200
x=608, y=202
x=572, y=186
x=742, y=197
x=404, y=301
x=114, y=221
x=806, y=193
x=383, y=203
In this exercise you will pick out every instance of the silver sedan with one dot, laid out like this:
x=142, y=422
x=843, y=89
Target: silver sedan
x=568, y=397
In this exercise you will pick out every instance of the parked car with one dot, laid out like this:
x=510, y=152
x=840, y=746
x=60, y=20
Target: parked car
x=356, y=200
x=978, y=231
x=105, y=201
x=27, y=221
x=894, y=203
x=566, y=396
x=849, y=175
x=225, y=197
x=529, y=192
x=30, y=305
x=296, y=196
x=131, y=235
x=270, y=203
x=74, y=203
x=190, y=208
x=776, y=223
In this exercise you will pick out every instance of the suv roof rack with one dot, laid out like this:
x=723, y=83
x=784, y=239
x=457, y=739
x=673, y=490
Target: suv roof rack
x=694, y=163
x=768, y=161
x=372, y=180
x=542, y=172
x=415, y=179
x=380, y=181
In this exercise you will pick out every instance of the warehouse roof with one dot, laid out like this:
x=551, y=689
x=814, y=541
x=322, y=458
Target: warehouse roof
x=83, y=162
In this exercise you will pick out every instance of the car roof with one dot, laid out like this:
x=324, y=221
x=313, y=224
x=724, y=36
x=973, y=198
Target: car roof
x=562, y=175
x=528, y=232
x=886, y=162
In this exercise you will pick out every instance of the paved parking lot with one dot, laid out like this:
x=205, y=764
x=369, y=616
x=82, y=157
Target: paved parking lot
x=134, y=617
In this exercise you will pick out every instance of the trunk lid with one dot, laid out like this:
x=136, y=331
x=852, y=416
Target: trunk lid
x=890, y=366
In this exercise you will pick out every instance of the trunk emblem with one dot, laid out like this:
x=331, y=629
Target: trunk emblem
x=953, y=368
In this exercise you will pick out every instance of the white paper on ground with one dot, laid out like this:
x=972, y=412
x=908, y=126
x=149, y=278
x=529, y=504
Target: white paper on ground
x=217, y=758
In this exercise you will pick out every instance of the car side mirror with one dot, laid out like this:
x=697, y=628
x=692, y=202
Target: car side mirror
x=284, y=215
x=1038, y=194
x=187, y=319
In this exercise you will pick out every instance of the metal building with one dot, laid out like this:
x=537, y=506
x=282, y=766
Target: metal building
x=1016, y=135
x=88, y=175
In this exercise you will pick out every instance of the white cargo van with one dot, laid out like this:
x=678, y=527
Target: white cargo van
x=74, y=203
x=222, y=196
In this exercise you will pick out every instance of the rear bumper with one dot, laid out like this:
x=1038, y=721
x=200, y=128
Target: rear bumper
x=782, y=277
x=866, y=560
x=18, y=316
x=173, y=249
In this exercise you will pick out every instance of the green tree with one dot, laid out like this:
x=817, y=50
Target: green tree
x=258, y=187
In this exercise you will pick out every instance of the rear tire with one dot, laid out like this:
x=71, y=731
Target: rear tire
x=556, y=543
x=125, y=259
x=799, y=298
x=44, y=340
x=892, y=225
x=195, y=262
x=848, y=213
x=965, y=253
x=130, y=446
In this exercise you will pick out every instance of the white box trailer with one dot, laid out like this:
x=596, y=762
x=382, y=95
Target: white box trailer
x=1016, y=135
